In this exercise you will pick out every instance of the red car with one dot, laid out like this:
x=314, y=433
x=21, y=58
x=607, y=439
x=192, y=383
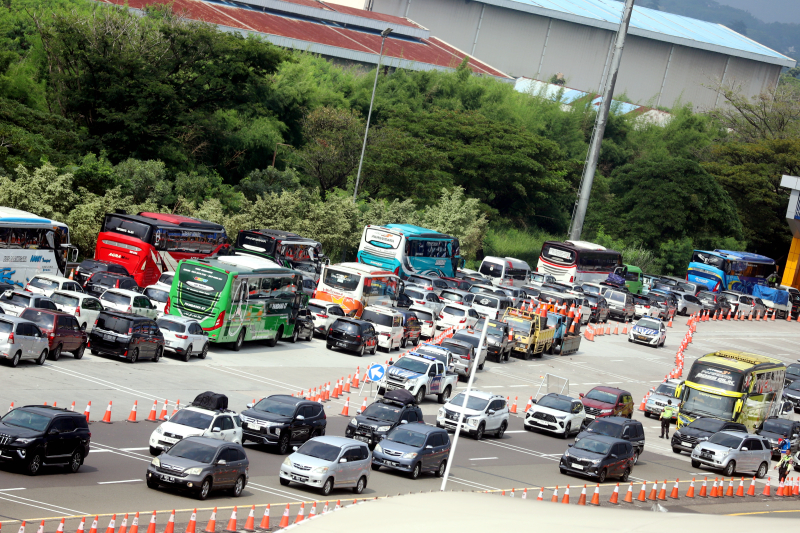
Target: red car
x=607, y=401
x=62, y=330
x=458, y=283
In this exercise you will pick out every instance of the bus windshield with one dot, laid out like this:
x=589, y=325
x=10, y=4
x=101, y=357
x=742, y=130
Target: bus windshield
x=711, y=405
x=339, y=279
x=713, y=376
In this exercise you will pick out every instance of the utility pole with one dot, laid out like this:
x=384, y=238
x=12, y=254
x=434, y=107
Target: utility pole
x=589, y=168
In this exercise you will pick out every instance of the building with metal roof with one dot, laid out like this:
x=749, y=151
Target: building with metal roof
x=667, y=58
x=334, y=31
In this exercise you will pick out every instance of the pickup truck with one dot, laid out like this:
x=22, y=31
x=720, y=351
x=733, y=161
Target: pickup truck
x=420, y=375
x=775, y=299
x=497, y=338
x=531, y=334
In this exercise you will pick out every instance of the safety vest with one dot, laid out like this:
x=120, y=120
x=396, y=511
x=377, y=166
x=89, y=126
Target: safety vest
x=667, y=412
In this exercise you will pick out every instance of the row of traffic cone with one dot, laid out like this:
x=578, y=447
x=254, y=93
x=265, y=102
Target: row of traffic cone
x=131, y=417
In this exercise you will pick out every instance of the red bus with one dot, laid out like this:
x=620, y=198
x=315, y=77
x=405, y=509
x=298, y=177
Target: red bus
x=148, y=244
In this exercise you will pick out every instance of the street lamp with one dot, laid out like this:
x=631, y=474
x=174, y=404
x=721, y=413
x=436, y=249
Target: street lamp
x=385, y=33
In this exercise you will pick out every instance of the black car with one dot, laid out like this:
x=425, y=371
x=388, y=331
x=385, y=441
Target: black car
x=599, y=457
x=395, y=408
x=792, y=374
x=599, y=307
x=619, y=428
x=775, y=429
x=34, y=435
x=791, y=393
x=283, y=420
x=98, y=283
x=713, y=302
x=126, y=335
x=93, y=266
x=352, y=334
x=700, y=430
x=303, y=326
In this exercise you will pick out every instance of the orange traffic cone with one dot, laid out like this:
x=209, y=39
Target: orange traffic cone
x=22, y=527
x=132, y=416
x=565, y=499
x=751, y=490
x=616, y=329
x=582, y=498
x=669, y=324
x=363, y=406
x=355, y=377
x=540, y=497
x=335, y=394
x=614, y=496
x=151, y=527
x=171, y=523
x=41, y=526
x=264, y=525
x=729, y=492
x=774, y=312
x=135, y=524
x=740, y=490
x=93, y=529
x=250, y=523
x=212, y=522
x=61, y=526
x=554, y=499
x=608, y=330
x=714, y=493
x=80, y=526
x=107, y=417
x=780, y=489
x=588, y=333
x=596, y=496
x=662, y=494
x=192, y=527
x=629, y=495
x=704, y=488
x=232, y=527
x=88, y=411
x=525, y=494
x=285, y=518
x=674, y=494
x=625, y=328
x=347, y=385
x=796, y=487
x=529, y=404
x=112, y=525
x=152, y=416
x=300, y=515
x=163, y=415
x=653, y=492
x=313, y=512
x=767, y=487
x=346, y=408
x=690, y=492
x=513, y=409
x=643, y=493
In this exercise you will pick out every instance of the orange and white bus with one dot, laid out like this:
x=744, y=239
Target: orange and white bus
x=355, y=285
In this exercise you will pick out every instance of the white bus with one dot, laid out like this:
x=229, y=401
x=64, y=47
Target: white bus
x=505, y=270
x=354, y=286
x=578, y=261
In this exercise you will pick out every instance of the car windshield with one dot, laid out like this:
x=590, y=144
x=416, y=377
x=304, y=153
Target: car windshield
x=194, y=451
x=486, y=301
x=649, y=324
x=707, y=424
x=166, y=278
x=276, y=408
x=602, y=396
x=414, y=365
x=793, y=369
x=592, y=445
x=451, y=296
x=381, y=411
x=320, y=450
x=341, y=280
x=450, y=310
x=423, y=315
x=554, y=402
x=63, y=299
x=666, y=389
x=157, y=295
x=406, y=436
x=42, y=283
x=723, y=439
x=377, y=318
x=347, y=327
x=43, y=320
x=603, y=427
x=317, y=309
x=473, y=402
x=657, y=298
x=493, y=329
x=13, y=298
x=193, y=419
x=519, y=326
x=414, y=294
x=590, y=289
x=706, y=297
x=456, y=348
x=438, y=354
x=794, y=385
x=474, y=340
x=781, y=427
x=169, y=325
x=114, y=298
x=705, y=404
x=26, y=419
x=6, y=327
x=112, y=323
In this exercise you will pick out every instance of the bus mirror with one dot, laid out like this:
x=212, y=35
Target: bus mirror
x=787, y=408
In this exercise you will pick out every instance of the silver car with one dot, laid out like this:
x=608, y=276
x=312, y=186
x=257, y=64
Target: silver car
x=663, y=393
x=688, y=304
x=420, y=296
x=734, y=451
x=429, y=283
x=13, y=302
x=22, y=339
x=326, y=463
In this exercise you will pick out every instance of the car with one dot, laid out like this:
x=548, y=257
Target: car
x=418, y=296
x=463, y=354
x=13, y=302
x=412, y=328
x=395, y=408
x=456, y=316
x=485, y=413
x=734, y=451
x=324, y=314
x=759, y=307
x=413, y=449
x=388, y=324
x=165, y=280
x=37, y=435
x=774, y=429
x=619, y=428
x=607, y=401
x=687, y=304
x=593, y=288
x=678, y=288
x=791, y=393
x=557, y=286
x=556, y=413
x=426, y=318
x=428, y=283
x=131, y=337
x=650, y=331
x=792, y=373
x=713, y=302
x=46, y=284
x=92, y=266
x=498, y=338
x=740, y=302
x=63, y=332
x=21, y=339
x=200, y=418
x=438, y=352
x=666, y=305
x=472, y=338
x=158, y=296
x=457, y=283
x=514, y=294
x=281, y=420
x=531, y=292
x=420, y=375
x=686, y=438
x=491, y=305
x=200, y=465
x=456, y=296
x=485, y=288
x=536, y=278
x=129, y=302
x=658, y=399
x=620, y=304
x=326, y=463
x=642, y=306
x=599, y=307
x=303, y=326
x=98, y=283
x=599, y=457
x=352, y=334
x=183, y=336
x=84, y=307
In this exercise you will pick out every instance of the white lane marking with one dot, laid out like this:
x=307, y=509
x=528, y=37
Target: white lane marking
x=581, y=365
x=99, y=450
x=500, y=372
x=18, y=488
x=473, y=484
x=121, y=481
x=493, y=386
x=134, y=449
x=519, y=449
x=517, y=431
x=15, y=498
x=99, y=381
x=32, y=505
x=593, y=383
x=117, y=451
x=541, y=364
x=482, y=458
x=617, y=360
x=519, y=385
x=275, y=492
x=613, y=382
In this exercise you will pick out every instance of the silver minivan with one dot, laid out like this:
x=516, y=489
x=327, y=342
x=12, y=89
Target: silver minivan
x=734, y=451
x=326, y=463
x=22, y=339
x=620, y=304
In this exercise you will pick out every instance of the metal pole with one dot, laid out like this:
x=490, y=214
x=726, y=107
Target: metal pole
x=384, y=34
x=464, y=403
x=599, y=128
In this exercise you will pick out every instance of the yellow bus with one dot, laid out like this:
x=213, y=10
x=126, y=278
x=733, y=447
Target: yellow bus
x=732, y=385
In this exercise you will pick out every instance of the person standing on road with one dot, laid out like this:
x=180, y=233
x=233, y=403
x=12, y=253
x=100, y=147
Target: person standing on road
x=772, y=279
x=666, y=418
x=784, y=465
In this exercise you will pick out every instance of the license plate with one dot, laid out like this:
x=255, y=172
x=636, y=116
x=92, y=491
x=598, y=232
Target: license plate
x=361, y=438
x=540, y=423
x=111, y=338
x=576, y=466
x=590, y=416
x=688, y=444
x=168, y=479
x=641, y=337
x=341, y=345
x=299, y=478
x=171, y=441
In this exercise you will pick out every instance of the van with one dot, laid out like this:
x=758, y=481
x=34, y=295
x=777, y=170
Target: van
x=620, y=304
x=633, y=278
x=388, y=324
x=491, y=305
x=505, y=270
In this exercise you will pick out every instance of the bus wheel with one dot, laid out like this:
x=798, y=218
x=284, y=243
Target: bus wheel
x=237, y=345
x=294, y=335
x=274, y=341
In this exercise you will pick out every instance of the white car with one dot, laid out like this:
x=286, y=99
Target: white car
x=643, y=307
x=485, y=413
x=82, y=306
x=323, y=314
x=13, y=302
x=420, y=296
x=158, y=296
x=128, y=302
x=491, y=305
x=165, y=281
x=196, y=421
x=183, y=336
x=388, y=324
x=22, y=339
x=557, y=414
x=46, y=284
x=426, y=318
x=650, y=331
x=457, y=317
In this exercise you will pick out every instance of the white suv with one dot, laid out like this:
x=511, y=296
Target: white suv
x=485, y=413
x=128, y=302
x=183, y=336
x=323, y=314
x=195, y=421
x=557, y=414
x=388, y=324
x=46, y=284
x=456, y=316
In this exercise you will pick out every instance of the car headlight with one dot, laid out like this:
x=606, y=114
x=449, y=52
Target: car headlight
x=441, y=412
x=287, y=462
x=409, y=455
x=21, y=440
x=159, y=431
x=378, y=448
x=353, y=422
x=471, y=421
x=193, y=471
x=561, y=417
x=595, y=461
x=320, y=469
x=702, y=439
x=566, y=453
x=155, y=462
x=383, y=428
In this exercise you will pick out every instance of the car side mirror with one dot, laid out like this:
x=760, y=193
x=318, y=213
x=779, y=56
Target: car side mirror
x=53, y=432
x=222, y=462
x=404, y=421
x=250, y=405
x=294, y=448
x=83, y=327
x=570, y=444
x=745, y=448
x=216, y=430
x=166, y=417
x=342, y=460
x=492, y=411
x=580, y=394
x=787, y=407
x=428, y=447
x=299, y=417
x=613, y=456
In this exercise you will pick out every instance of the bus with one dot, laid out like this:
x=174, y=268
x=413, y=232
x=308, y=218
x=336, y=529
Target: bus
x=724, y=270
x=578, y=261
x=731, y=385
x=354, y=286
x=285, y=248
x=406, y=249
x=148, y=244
x=237, y=303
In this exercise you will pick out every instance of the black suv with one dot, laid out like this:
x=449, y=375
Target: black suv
x=599, y=457
x=93, y=266
x=395, y=408
x=283, y=420
x=126, y=335
x=39, y=434
x=619, y=428
x=354, y=335
x=97, y=284
x=699, y=430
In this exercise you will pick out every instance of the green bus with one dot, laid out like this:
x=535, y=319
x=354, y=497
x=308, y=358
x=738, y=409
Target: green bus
x=633, y=279
x=238, y=298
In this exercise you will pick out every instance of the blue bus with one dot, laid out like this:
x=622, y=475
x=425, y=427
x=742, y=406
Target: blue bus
x=724, y=270
x=406, y=249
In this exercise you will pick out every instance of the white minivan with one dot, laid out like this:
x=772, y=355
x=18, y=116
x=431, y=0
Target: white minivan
x=84, y=307
x=46, y=284
x=129, y=302
x=388, y=325
x=505, y=270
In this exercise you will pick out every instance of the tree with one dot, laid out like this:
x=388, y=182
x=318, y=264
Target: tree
x=769, y=115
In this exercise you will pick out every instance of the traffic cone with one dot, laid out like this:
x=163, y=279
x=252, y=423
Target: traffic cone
x=674, y=494
x=135, y=524
x=212, y=522
x=669, y=324
x=529, y=404
x=616, y=329
x=285, y=518
x=328, y=392
x=582, y=498
x=643, y=405
x=653, y=491
x=61, y=526
x=767, y=487
x=729, y=492
x=513, y=409
x=112, y=525
x=151, y=527
x=10, y=407
x=554, y=499
x=788, y=317
x=596, y=496
x=80, y=526
x=690, y=492
x=740, y=489
x=750, y=316
x=232, y=527
x=608, y=330
x=163, y=415
x=512, y=493
x=540, y=497
x=796, y=487
x=41, y=526
x=704, y=489
x=780, y=489
x=363, y=406
x=346, y=408
x=565, y=499
x=662, y=494
x=171, y=523
x=798, y=317
x=264, y=525
x=751, y=490
x=22, y=527
x=774, y=312
x=88, y=411
x=355, y=377
x=107, y=417
x=525, y=494
x=629, y=495
x=714, y=493
x=643, y=493
x=588, y=333
x=614, y=500
x=152, y=416
x=132, y=416
x=347, y=385
x=313, y=512
x=192, y=527
x=335, y=395
x=301, y=513
x=178, y=408
x=250, y=523
x=729, y=314
x=625, y=328
x=93, y=529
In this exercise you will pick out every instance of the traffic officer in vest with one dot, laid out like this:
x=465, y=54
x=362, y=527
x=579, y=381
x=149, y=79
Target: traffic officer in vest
x=666, y=418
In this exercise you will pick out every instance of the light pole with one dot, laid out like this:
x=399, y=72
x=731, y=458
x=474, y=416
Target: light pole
x=385, y=33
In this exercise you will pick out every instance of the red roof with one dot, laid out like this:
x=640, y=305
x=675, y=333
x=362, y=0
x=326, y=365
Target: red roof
x=431, y=51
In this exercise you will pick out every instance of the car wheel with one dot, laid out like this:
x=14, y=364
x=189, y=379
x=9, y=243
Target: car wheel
x=237, y=489
x=361, y=351
x=762, y=470
x=729, y=469
x=328, y=346
x=602, y=477
x=695, y=463
x=374, y=350
x=155, y=451
x=480, y=366
x=157, y=357
x=34, y=464
x=502, y=430
x=151, y=484
x=283, y=444
x=403, y=342
x=42, y=357
x=75, y=462
x=445, y=396
x=284, y=482
x=676, y=450
x=78, y=354
x=420, y=395
x=327, y=487
x=55, y=355
x=442, y=467
x=416, y=471
x=636, y=457
x=205, y=489
x=15, y=360
x=133, y=356
x=567, y=430
x=204, y=352
x=360, y=486
x=479, y=432
x=625, y=475
x=237, y=345
x=188, y=354
x=295, y=333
